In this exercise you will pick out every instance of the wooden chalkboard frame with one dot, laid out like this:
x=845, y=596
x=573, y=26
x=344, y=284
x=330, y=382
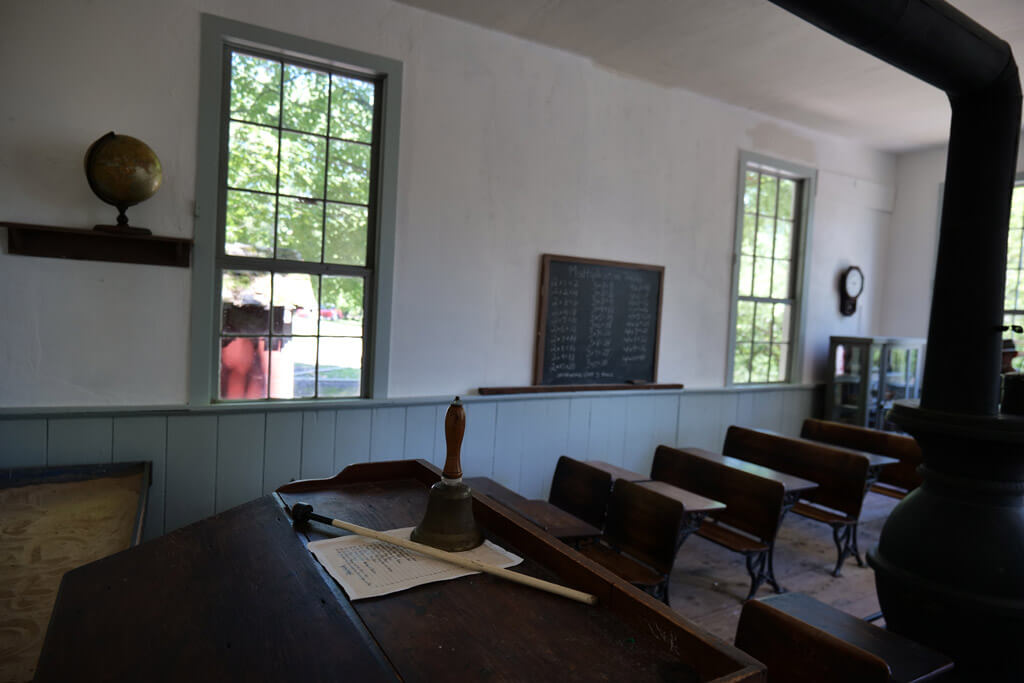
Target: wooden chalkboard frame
x=542, y=307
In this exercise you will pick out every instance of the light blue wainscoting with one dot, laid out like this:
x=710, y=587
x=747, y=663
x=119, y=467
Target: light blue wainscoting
x=208, y=460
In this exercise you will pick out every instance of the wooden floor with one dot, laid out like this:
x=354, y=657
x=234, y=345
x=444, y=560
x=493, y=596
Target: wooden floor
x=709, y=582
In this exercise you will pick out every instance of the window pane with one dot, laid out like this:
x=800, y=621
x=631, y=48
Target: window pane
x=1017, y=208
x=249, y=224
x=780, y=357
x=344, y=296
x=255, y=89
x=749, y=233
x=762, y=277
x=349, y=177
x=783, y=239
x=787, y=195
x=291, y=363
x=780, y=322
x=302, y=165
x=347, y=227
x=245, y=297
x=765, y=237
x=1009, y=298
x=305, y=99
x=741, y=364
x=1013, y=249
x=780, y=280
x=341, y=363
x=300, y=229
x=759, y=362
x=352, y=109
x=769, y=189
x=252, y=157
x=295, y=303
x=745, y=287
x=745, y=321
x=763, y=322
x=243, y=367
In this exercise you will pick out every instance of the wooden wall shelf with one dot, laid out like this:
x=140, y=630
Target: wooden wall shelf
x=93, y=245
x=552, y=388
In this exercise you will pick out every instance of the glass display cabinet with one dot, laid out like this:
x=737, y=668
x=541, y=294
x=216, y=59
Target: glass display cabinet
x=866, y=374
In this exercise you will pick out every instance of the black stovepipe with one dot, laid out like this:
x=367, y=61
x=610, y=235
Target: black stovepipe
x=949, y=561
x=933, y=41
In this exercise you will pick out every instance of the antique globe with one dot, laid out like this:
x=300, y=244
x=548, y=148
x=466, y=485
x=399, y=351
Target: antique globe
x=122, y=171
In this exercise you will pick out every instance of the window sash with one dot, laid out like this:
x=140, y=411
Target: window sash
x=741, y=346
x=221, y=37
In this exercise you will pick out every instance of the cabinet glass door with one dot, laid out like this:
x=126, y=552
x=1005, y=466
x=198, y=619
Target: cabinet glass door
x=848, y=365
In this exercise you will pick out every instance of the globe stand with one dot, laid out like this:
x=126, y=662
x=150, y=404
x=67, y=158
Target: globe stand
x=122, y=227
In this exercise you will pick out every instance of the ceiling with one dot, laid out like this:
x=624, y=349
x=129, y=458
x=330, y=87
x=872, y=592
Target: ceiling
x=749, y=53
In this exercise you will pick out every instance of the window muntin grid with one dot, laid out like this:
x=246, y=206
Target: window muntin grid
x=766, y=280
x=300, y=151
x=1013, y=292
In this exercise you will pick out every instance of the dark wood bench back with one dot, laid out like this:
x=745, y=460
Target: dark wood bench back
x=581, y=490
x=643, y=524
x=839, y=472
x=753, y=503
x=900, y=446
x=796, y=652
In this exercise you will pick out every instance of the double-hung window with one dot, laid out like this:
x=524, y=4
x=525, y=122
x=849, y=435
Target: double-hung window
x=1013, y=294
x=298, y=219
x=773, y=210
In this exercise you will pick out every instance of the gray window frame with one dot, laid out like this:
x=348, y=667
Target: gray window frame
x=1018, y=181
x=804, y=228
x=217, y=34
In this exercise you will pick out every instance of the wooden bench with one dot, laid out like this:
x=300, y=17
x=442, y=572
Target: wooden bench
x=895, y=481
x=841, y=475
x=802, y=640
x=640, y=537
x=582, y=490
x=750, y=520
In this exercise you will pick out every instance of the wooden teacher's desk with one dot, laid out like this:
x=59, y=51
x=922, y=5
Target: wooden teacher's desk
x=238, y=597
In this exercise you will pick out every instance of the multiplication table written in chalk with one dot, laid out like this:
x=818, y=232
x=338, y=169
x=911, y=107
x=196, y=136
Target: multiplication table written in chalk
x=366, y=568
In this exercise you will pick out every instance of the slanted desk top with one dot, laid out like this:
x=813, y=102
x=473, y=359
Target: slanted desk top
x=552, y=519
x=792, y=483
x=238, y=597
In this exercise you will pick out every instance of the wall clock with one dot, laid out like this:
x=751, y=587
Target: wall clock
x=850, y=287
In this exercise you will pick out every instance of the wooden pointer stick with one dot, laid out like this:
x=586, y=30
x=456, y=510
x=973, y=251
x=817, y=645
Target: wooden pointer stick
x=303, y=512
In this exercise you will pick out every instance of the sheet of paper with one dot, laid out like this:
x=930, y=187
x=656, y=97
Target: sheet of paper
x=366, y=567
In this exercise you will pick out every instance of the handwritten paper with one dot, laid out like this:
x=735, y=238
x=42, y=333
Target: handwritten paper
x=366, y=568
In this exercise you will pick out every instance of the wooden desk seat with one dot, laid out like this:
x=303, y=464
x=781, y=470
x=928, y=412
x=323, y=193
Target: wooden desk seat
x=582, y=490
x=802, y=640
x=750, y=520
x=895, y=481
x=841, y=475
x=640, y=537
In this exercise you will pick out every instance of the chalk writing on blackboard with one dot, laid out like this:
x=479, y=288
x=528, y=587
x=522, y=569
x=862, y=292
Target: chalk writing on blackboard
x=598, y=321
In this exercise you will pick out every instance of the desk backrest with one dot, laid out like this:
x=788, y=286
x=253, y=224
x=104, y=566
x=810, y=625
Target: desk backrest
x=581, y=490
x=839, y=472
x=644, y=524
x=753, y=503
x=900, y=446
x=796, y=652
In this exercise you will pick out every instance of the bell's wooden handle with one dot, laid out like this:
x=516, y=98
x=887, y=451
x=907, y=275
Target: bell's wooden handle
x=454, y=430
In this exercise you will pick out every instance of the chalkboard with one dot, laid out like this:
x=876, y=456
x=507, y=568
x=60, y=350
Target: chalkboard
x=597, y=321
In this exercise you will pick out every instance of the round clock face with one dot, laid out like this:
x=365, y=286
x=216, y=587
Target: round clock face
x=853, y=283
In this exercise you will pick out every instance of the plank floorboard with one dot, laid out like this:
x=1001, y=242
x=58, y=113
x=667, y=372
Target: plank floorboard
x=709, y=583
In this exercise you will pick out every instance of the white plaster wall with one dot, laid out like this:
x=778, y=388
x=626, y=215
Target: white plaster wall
x=508, y=150
x=913, y=241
